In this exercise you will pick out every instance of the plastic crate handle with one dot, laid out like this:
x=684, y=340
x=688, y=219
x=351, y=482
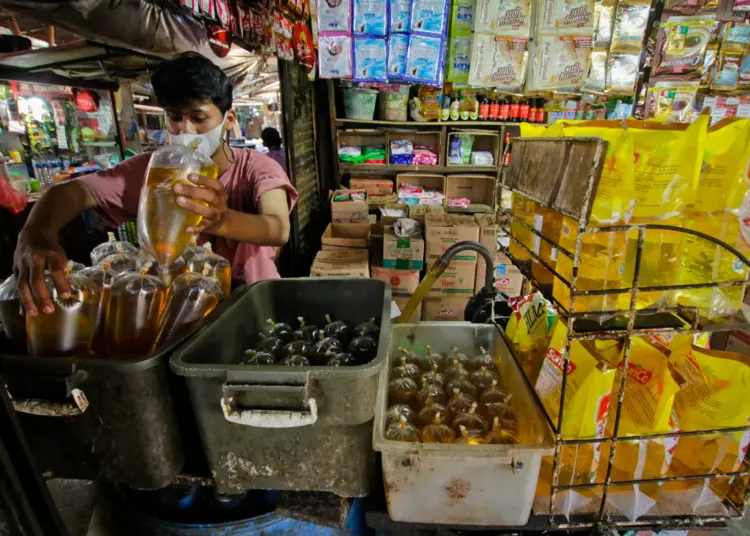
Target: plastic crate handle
x=49, y=408
x=269, y=418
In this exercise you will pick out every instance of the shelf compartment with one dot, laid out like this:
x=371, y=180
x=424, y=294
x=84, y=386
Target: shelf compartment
x=483, y=141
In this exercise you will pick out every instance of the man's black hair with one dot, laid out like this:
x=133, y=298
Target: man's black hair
x=271, y=138
x=191, y=77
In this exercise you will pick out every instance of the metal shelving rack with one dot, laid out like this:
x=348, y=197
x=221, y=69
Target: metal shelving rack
x=563, y=174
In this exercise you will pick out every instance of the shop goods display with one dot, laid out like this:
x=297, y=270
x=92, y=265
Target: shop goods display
x=162, y=223
x=337, y=344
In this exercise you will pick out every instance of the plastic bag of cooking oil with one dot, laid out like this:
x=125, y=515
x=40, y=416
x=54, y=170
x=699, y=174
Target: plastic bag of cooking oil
x=522, y=208
x=192, y=296
x=587, y=395
x=192, y=250
x=714, y=396
x=650, y=389
x=161, y=222
x=529, y=130
x=166, y=273
x=110, y=247
x=121, y=262
x=102, y=276
x=720, y=210
x=529, y=329
x=136, y=302
x=549, y=223
x=69, y=330
x=220, y=269
x=11, y=314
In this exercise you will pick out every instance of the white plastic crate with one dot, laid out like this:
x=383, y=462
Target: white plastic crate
x=462, y=484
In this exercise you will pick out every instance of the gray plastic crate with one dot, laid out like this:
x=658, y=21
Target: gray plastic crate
x=275, y=427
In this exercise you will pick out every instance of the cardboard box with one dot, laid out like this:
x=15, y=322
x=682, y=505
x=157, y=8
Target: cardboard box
x=418, y=212
x=387, y=221
x=487, y=231
x=401, y=303
x=402, y=253
x=341, y=262
x=346, y=235
x=445, y=307
x=348, y=211
x=457, y=279
x=403, y=284
x=508, y=278
x=373, y=186
x=442, y=231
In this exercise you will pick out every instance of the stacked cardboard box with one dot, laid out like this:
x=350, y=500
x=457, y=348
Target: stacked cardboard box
x=345, y=242
x=508, y=278
x=341, y=262
x=452, y=291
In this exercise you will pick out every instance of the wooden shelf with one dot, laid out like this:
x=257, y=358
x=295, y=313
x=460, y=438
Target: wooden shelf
x=460, y=124
x=391, y=169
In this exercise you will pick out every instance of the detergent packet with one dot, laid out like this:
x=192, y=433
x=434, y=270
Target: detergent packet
x=462, y=17
x=459, y=59
x=650, y=389
x=430, y=17
x=498, y=62
x=509, y=18
x=370, y=17
x=334, y=16
x=586, y=405
x=529, y=329
x=398, y=45
x=721, y=210
x=424, y=59
x=399, y=15
x=370, y=63
x=335, y=56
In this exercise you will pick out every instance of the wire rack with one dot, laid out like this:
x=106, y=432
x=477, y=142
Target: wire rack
x=563, y=174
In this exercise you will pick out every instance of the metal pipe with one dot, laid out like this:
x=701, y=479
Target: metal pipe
x=489, y=277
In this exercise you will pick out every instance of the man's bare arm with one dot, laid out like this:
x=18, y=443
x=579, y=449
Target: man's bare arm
x=39, y=247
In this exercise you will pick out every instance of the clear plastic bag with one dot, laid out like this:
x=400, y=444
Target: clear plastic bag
x=11, y=314
x=121, y=262
x=166, y=273
x=192, y=250
x=112, y=246
x=162, y=223
x=69, y=330
x=191, y=297
x=136, y=302
x=221, y=270
x=102, y=276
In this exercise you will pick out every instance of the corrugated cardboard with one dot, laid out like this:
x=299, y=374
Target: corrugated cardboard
x=418, y=212
x=403, y=282
x=346, y=235
x=401, y=303
x=373, y=186
x=348, y=211
x=487, y=231
x=445, y=307
x=457, y=279
x=402, y=253
x=341, y=262
x=442, y=231
x=508, y=278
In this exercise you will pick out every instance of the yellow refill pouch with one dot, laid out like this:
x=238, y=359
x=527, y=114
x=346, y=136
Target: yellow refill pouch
x=718, y=211
x=602, y=254
x=529, y=330
x=523, y=209
x=529, y=130
x=667, y=164
x=650, y=390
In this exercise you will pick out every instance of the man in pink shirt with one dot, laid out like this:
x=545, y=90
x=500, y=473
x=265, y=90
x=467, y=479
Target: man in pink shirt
x=247, y=217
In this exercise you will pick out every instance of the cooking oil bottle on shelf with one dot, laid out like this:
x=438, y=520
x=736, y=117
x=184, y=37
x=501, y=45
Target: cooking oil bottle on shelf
x=69, y=330
x=102, y=276
x=136, y=302
x=191, y=297
x=220, y=268
x=162, y=222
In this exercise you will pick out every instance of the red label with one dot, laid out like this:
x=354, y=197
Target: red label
x=395, y=281
x=504, y=111
x=603, y=409
x=218, y=39
x=638, y=373
x=556, y=358
x=303, y=46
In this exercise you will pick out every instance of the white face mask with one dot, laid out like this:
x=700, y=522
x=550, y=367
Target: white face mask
x=207, y=143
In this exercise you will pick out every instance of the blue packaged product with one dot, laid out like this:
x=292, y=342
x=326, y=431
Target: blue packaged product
x=370, y=17
x=424, y=59
x=398, y=16
x=398, y=45
x=430, y=16
x=370, y=59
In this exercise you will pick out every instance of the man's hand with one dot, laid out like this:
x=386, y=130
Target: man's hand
x=36, y=252
x=193, y=199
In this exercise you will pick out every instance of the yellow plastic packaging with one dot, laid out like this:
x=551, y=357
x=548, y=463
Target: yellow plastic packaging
x=522, y=209
x=549, y=223
x=718, y=211
x=650, y=390
x=587, y=397
x=529, y=330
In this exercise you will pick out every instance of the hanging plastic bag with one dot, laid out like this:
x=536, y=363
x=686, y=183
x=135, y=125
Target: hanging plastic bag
x=191, y=297
x=529, y=330
x=110, y=247
x=102, y=276
x=136, y=301
x=220, y=269
x=69, y=330
x=161, y=221
x=11, y=313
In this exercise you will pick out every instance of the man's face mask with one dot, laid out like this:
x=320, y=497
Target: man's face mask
x=207, y=143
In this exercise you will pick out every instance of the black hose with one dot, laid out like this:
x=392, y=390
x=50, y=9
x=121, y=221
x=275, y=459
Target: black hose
x=489, y=276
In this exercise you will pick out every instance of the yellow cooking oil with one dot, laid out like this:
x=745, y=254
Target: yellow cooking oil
x=601, y=266
x=549, y=223
x=523, y=209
